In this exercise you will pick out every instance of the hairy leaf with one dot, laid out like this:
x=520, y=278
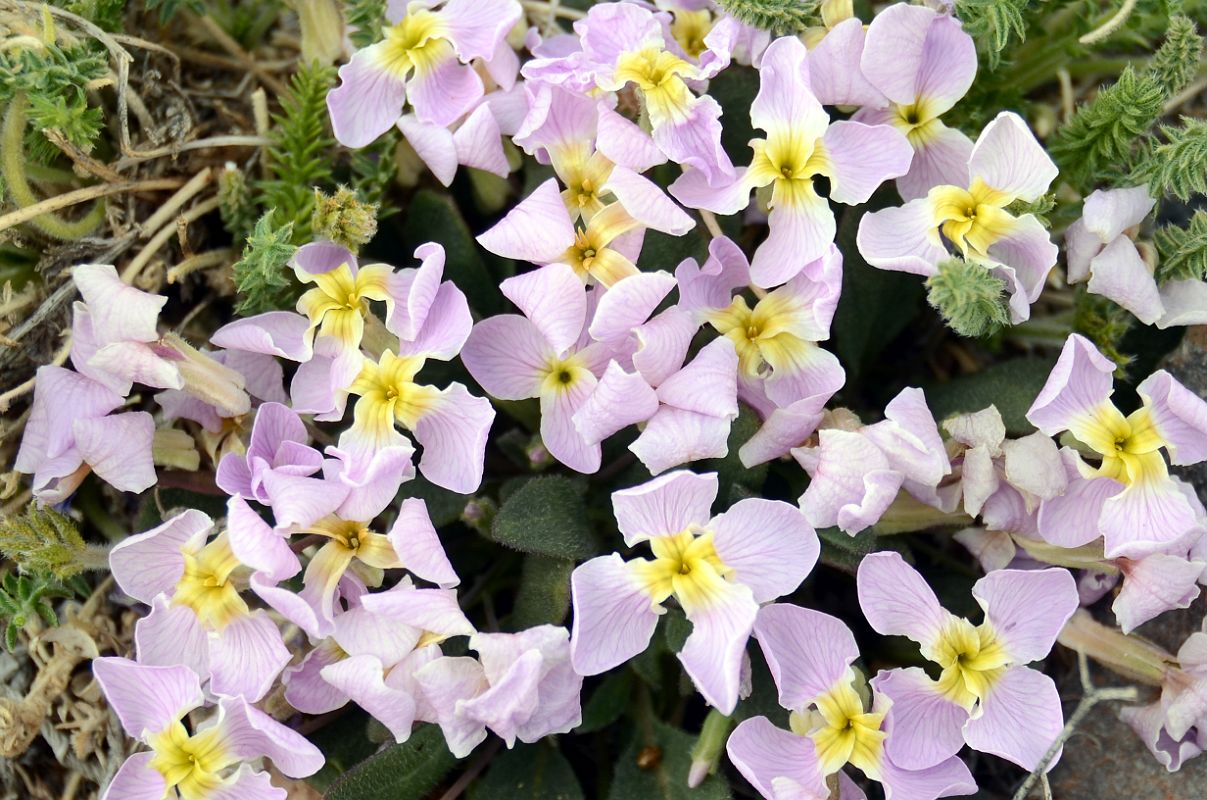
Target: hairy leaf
x=547, y=516
x=406, y=771
x=529, y=772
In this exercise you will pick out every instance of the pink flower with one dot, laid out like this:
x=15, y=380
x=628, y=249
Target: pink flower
x=923, y=62
x=546, y=353
x=198, y=616
x=833, y=721
x=623, y=44
x=374, y=650
x=985, y=695
x=72, y=431
x=1006, y=164
x=209, y=761
x=801, y=144
x=475, y=140
x=719, y=569
x=856, y=473
x=521, y=686
x=424, y=59
x=1129, y=498
x=1101, y=250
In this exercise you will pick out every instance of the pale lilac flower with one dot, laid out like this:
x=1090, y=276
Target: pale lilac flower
x=1129, y=498
x=424, y=59
x=623, y=44
x=476, y=140
x=1007, y=164
x=856, y=473
x=835, y=49
x=374, y=650
x=719, y=569
x=779, y=359
x=198, y=616
x=1101, y=250
x=801, y=143
x=351, y=550
x=834, y=722
x=213, y=760
x=998, y=476
x=72, y=431
x=923, y=62
x=1174, y=728
x=279, y=443
x=696, y=407
x=1154, y=584
x=521, y=686
x=545, y=353
x=985, y=695
x=115, y=341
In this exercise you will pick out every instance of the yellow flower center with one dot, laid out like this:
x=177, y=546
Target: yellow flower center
x=339, y=301
x=562, y=374
x=659, y=76
x=689, y=29
x=917, y=121
x=972, y=219
x=788, y=163
x=206, y=587
x=842, y=730
x=763, y=336
x=190, y=764
x=591, y=254
x=388, y=394
x=685, y=565
x=972, y=659
x=1130, y=446
x=417, y=42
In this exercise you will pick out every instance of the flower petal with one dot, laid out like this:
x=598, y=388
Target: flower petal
x=901, y=239
x=146, y=564
x=246, y=656
x=453, y=434
x=147, y=699
x=897, y=601
x=862, y=157
x=808, y=652
x=614, y=616
x=1020, y=719
x=1179, y=416
x=620, y=399
x=368, y=100
x=249, y=734
x=136, y=779
x=762, y=752
x=1008, y=158
x=537, y=230
x=721, y=624
x=924, y=727
x=1027, y=608
x=118, y=448
x=1079, y=383
x=418, y=546
x=768, y=544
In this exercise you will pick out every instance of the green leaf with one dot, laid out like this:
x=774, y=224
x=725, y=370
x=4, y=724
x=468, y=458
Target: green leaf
x=875, y=306
x=608, y=702
x=657, y=770
x=262, y=276
x=842, y=551
x=433, y=217
x=345, y=743
x=1183, y=250
x=777, y=16
x=1012, y=386
x=992, y=23
x=407, y=771
x=734, y=89
x=546, y=516
x=1179, y=166
x=730, y=471
x=971, y=300
x=529, y=772
x=678, y=628
x=544, y=595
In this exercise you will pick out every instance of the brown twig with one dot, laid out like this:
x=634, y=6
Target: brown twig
x=68, y=199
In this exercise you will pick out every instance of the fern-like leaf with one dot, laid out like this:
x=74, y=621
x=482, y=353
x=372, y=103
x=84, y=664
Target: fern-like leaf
x=1183, y=250
x=777, y=16
x=261, y=274
x=993, y=23
x=44, y=542
x=365, y=19
x=300, y=157
x=1179, y=166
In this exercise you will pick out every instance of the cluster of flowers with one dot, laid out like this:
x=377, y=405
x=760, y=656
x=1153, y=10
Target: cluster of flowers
x=600, y=345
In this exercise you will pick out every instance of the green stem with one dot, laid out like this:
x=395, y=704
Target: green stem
x=12, y=145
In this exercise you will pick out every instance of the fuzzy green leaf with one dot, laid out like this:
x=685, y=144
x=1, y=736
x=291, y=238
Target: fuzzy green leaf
x=546, y=516
x=992, y=24
x=529, y=772
x=1183, y=250
x=43, y=541
x=365, y=19
x=1179, y=165
x=406, y=771
x=261, y=275
x=777, y=16
x=300, y=156
x=608, y=701
x=970, y=298
x=544, y=595
x=434, y=217
x=657, y=770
